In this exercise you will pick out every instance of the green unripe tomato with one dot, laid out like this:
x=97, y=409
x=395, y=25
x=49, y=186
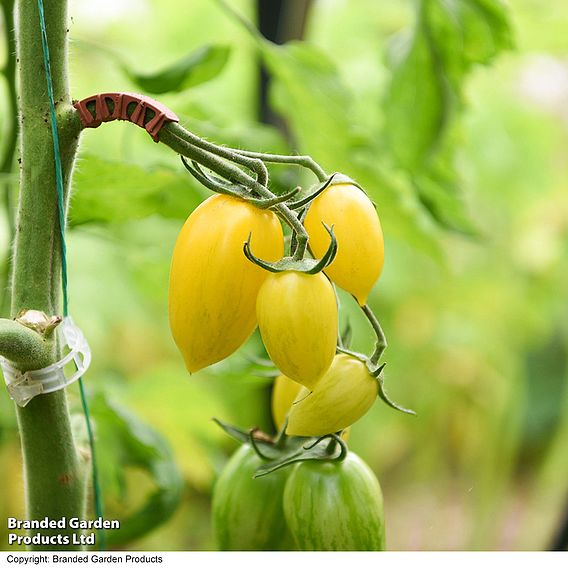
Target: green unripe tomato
x=248, y=513
x=335, y=506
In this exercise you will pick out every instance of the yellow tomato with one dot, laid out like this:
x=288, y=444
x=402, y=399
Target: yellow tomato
x=213, y=287
x=297, y=318
x=342, y=396
x=360, y=246
x=284, y=393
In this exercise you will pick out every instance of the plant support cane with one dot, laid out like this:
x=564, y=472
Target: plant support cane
x=54, y=472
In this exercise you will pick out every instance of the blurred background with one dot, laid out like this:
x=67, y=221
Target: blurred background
x=454, y=117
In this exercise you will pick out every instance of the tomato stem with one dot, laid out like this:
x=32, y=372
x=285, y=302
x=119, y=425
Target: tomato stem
x=252, y=163
x=304, y=161
x=174, y=136
x=381, y=343
x=11, y=131
x=255, y=446
x=309, y=198
x=184, y=142
x=215, y=184
x=22, y=345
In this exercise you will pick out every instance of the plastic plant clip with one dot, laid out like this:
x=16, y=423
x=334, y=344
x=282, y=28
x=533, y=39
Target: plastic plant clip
x=132, y=107
x=22, y=387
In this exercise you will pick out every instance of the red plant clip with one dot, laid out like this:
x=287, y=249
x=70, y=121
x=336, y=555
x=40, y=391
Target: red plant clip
x=138, y=109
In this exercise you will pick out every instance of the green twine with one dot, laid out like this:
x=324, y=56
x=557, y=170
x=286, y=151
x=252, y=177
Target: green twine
x=61, y=215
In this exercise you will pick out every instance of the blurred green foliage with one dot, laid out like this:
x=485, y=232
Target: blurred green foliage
x=452, y=115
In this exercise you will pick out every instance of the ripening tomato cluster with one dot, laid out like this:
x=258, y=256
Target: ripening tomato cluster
x=220, y=290
x=218, y=296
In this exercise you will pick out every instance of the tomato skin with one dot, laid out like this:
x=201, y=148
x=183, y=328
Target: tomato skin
x=284, y=393
x=213, y=286
x=342, y=396
x=297, y=318
x=248, y=513
x=360, y=245
x=335, y=506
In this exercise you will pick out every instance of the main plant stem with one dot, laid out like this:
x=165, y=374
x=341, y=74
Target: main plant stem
x=10, y=134
x=53, y=473
x=9, y=72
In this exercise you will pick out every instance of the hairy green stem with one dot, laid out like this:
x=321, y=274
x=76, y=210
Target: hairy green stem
x=304, y=161
x=54, y=474
x=9, y=72
x=255, y=160
x=381, y=343
x=174, y=136
x=23, y=346
x=177, y=138
x=220, y=186
x=252, y=164
x=10, y=134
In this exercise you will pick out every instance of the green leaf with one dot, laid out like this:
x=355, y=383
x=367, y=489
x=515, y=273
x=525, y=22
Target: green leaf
x=417, y=103
x=470, y=31
x=444, y=200
x=114, y=192
x=126, y=442
x=197, y=67
x=429, y=69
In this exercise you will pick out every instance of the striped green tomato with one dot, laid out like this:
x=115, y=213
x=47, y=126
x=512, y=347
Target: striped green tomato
x=248, y=513
x=335, y=506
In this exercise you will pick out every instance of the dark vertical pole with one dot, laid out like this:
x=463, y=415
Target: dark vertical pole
x=560, y=541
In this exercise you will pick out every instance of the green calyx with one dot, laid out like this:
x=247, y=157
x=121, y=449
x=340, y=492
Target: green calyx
x=291, y=263
x=341, y=179
x=374, y=367
x=284, y=450
x=384, y=397
x=334, y=179
x=337, y=179
x=318, y=189
x=376, y=371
